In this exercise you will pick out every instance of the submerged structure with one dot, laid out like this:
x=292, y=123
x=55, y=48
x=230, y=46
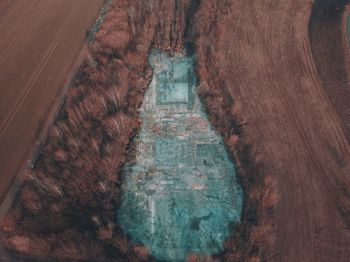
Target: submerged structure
x=180, y=192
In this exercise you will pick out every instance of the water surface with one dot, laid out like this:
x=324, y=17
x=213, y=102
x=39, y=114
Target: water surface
x=180, y=193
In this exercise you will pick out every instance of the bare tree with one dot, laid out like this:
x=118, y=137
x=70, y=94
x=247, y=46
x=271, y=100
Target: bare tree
x=96, y=145
x=34, y=178
x=103, y=186
x=104, y=104
x=96, y=220
x=122, y=121
x=117, y=125
x=131, y=16
x=149, y=5
x=114, y=96
x=92, y=61
x=57, y=189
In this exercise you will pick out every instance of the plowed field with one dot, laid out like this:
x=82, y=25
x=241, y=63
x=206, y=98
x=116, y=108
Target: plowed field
x=40, y=41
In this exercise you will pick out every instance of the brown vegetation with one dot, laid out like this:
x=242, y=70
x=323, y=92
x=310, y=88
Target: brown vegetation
x=262, y=92
x=40, y=41
x=71, y=195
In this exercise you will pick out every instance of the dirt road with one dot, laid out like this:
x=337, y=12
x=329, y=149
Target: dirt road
x=40, y=41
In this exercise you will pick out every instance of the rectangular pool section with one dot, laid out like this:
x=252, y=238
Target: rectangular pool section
x=180, y=194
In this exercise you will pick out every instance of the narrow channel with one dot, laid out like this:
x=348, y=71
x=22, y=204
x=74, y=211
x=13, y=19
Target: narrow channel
x=180, y=192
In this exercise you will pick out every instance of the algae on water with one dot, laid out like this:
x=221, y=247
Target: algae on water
x=180, y=192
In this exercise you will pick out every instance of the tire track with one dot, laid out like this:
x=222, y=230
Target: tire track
x=26, y=28
x=338, y=130
x=314, y=165
x=39, y=69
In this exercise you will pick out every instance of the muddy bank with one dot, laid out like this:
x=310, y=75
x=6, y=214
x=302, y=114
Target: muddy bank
x=327, y=30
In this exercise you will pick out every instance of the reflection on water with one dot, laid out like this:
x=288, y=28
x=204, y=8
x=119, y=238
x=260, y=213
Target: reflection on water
x=180, y=193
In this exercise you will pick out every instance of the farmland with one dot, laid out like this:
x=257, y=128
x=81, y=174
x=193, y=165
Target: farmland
x=275, y=86
x=40, y=41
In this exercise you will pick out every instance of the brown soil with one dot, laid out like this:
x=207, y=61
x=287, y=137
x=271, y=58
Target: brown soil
x=329, y=46
x=40, y=40
x=258, y=55
x=67, y=204
x=263, y=92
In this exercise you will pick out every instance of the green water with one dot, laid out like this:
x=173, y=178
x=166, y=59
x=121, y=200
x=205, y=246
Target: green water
x=180, y=193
